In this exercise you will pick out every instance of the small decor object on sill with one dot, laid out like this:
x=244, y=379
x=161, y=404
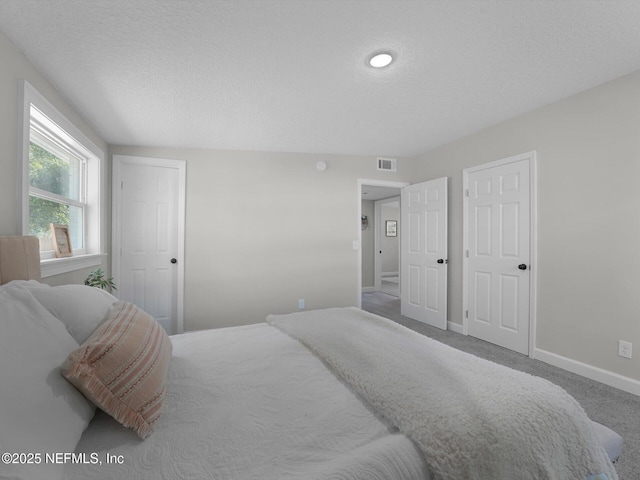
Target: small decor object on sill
x=392, y=228
x=96, y=279
x=61, y=240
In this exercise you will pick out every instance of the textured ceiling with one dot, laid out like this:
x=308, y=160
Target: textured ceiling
x=291, y=75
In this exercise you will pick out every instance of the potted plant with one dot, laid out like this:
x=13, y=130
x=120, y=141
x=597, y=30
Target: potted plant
x=96, y=279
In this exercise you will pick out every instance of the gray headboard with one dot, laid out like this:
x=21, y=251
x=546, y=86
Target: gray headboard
x=19, y=259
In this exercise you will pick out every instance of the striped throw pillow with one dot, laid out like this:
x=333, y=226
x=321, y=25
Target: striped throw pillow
x=122, y=367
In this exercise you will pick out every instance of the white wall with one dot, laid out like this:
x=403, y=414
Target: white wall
x=266, y=229
x=16, y=67
x=588, y=149
x=390, y=245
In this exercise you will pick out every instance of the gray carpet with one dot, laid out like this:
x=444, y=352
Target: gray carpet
x=614, y=408
x=390, y=286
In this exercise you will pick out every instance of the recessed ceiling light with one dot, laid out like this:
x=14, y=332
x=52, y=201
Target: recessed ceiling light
x=380, y=60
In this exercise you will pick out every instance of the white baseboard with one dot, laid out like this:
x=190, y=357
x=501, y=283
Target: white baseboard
x=368, y=289
x=455, y=327
x=594, y=373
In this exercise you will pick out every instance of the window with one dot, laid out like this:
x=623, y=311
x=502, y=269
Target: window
x=60, y=179
x=57, y=184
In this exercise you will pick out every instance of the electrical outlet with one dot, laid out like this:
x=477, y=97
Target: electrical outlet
x=301, y=304
x=625, y=349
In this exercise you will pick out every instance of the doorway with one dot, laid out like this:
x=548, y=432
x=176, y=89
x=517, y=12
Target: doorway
x=422, y=232
x=369, y=192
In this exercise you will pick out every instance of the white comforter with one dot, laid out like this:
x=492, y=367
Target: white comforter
x=473, y=419
x=252, y=403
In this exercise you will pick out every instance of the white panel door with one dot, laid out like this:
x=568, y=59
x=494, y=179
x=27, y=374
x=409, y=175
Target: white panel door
x=498, y=254
x=148, y=217
x=424, y=263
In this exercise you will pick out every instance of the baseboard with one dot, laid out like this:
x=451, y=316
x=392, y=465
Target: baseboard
x=455, y=327
x=594, y=373
x=368, y=289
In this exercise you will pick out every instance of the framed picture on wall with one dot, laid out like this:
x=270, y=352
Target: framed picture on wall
x=392, y=228
x=61, y=240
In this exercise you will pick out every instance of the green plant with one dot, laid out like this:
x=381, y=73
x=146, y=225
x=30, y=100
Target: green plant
x=96, y=279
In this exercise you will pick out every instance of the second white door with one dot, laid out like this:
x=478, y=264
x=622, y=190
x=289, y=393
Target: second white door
x=498, y=252
x=424, y=263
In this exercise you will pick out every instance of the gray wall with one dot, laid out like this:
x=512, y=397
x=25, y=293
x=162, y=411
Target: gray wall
x=389, y=245
x=588, y=150
x=368, y=245
x=15, y=68
x=265, y=229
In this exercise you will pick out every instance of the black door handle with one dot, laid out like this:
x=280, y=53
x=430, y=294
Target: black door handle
x=522, y=266
x=173, y=260
x=440, y=260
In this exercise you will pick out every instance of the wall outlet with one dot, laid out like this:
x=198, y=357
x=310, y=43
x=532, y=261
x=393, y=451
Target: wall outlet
x=301, y=304
x=625, y=349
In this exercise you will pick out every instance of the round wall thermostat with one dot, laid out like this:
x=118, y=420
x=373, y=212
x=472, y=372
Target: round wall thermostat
x=321, y=166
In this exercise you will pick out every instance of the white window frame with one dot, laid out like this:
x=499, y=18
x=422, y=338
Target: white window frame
x=68, y=134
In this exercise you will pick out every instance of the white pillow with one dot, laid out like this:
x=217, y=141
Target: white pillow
x=81, y=308
x=40, y=412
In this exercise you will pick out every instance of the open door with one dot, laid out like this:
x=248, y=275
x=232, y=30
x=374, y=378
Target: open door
x=424, y=263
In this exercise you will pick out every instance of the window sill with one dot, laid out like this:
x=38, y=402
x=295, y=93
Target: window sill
x=56, y=266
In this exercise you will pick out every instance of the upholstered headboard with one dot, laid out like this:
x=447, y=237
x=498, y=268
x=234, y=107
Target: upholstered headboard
x=19, y=259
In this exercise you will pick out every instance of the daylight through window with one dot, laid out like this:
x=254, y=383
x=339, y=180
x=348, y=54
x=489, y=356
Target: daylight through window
x=60, y=179
x=57, y=184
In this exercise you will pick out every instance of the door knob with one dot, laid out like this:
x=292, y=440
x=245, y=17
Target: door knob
x=173, y=260
x=522, y=266
x=440, y=260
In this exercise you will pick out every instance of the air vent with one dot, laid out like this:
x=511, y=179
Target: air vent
x=387, y=164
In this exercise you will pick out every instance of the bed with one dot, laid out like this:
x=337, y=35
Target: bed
x=335, y=393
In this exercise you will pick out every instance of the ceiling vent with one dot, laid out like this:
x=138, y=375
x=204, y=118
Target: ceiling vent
x=387, y=164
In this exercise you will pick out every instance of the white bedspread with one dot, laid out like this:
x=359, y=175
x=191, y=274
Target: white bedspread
x=252, y=403
x=473, y=419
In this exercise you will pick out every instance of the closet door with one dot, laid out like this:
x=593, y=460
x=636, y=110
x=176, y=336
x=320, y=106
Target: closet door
x=148, y=260
x=498, y=253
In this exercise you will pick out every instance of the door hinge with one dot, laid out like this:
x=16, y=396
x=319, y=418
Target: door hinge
x=466, y=313
x=121, y=184
x=466, y=192
x=467, y=253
